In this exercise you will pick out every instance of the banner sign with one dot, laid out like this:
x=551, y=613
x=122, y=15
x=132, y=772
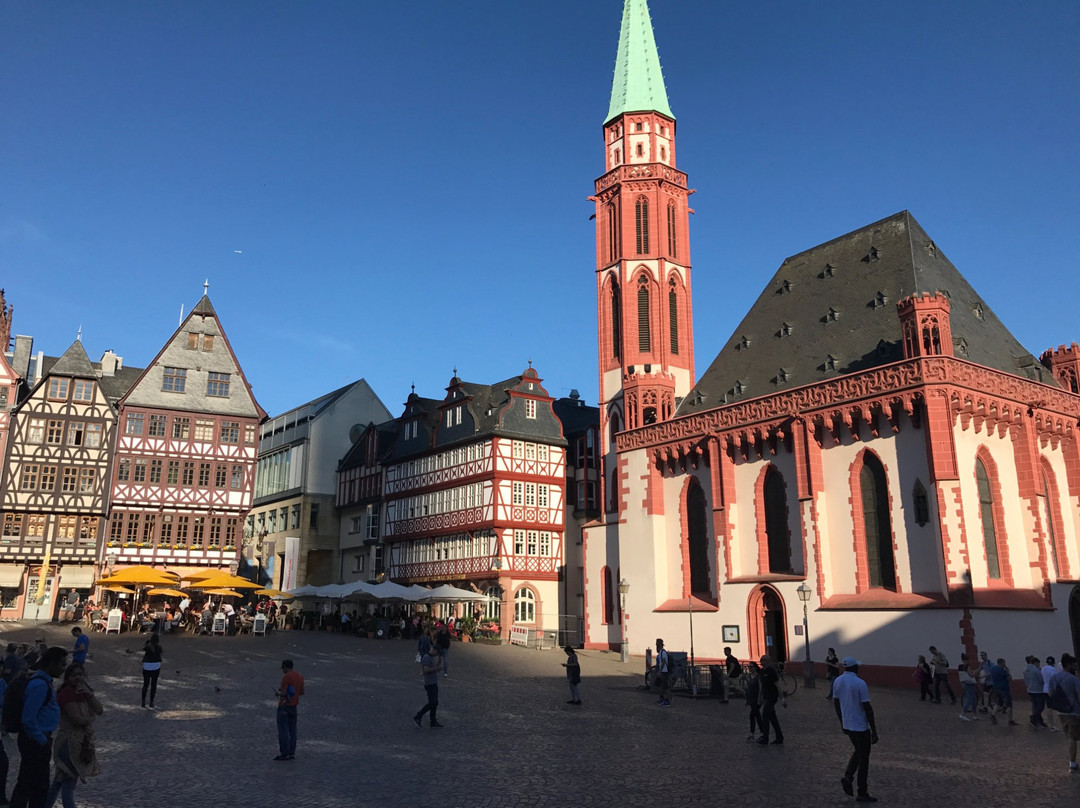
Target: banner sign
x=292, y=558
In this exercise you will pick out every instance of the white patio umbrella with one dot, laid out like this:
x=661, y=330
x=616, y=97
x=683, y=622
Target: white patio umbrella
x=450, y=594
x=305, y=591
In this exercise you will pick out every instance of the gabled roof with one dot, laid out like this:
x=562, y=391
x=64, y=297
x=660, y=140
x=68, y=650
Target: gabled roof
x=638, y=85
x=384, y=440
x=74, y=362
x=114, y=385
x=832, y=310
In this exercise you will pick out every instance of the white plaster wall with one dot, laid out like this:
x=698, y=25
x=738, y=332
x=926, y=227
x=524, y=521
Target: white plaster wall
x=1069, y=532
x=748, y=531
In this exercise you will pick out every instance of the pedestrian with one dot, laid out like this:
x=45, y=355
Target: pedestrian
x=288, y=693
x=1066, y=681
x=832, y=670
x=940, y=665
x=969, y=695
x=151, y=667
x=74, y=752
x=13, y=662
x=430, y=665
x=1048, y=671
x=770, y=694
x=924, y=676
x=732, y=672
x=986, y=696
x=1036, y=689
x=1000, y=679
x=82, y=646
x=40, y=719
x=573, y=675
x=753, y=700
x=851, y=698
x=442, y=639
x=423, y=644
x=662, y=676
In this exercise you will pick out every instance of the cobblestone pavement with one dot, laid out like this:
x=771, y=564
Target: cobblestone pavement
x=509, y=738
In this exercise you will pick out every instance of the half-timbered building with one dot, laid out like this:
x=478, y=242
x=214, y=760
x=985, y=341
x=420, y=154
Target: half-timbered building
x=360, y=503
x=55, y=490
x=184, y=469
x=871, y=441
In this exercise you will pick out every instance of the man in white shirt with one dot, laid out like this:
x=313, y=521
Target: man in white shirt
x=1048, y=670
x=851, y=698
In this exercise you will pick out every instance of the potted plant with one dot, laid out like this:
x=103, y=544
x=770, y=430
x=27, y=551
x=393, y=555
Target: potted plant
x=467, y=626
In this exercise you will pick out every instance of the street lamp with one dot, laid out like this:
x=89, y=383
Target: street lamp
x=624, y=587
x=804, y=593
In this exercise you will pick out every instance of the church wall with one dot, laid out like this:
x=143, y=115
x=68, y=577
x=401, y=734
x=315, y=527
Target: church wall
x=1067, y=531
x=749, y=528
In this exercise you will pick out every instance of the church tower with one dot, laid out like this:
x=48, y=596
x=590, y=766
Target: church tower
x=646, y=345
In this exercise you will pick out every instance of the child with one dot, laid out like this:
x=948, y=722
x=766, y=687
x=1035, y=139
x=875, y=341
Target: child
x=924, y=677
x=753, y=699
x=573, y=675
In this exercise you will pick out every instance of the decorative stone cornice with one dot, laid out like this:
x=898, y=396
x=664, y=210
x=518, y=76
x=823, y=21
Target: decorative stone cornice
x=641, y=171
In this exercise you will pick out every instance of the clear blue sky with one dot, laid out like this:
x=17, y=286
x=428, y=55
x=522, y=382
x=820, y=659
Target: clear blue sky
x=390, y=190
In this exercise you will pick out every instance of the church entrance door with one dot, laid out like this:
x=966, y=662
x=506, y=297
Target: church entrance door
x=767, y=624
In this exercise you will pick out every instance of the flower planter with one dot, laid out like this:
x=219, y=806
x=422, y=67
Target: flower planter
x=488, y=640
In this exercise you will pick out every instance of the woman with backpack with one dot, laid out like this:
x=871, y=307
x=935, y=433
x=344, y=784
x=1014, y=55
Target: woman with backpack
x=151, y=667
x=74, y=753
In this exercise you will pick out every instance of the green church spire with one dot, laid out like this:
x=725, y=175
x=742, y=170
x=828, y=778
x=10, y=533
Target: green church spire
x=638, y=85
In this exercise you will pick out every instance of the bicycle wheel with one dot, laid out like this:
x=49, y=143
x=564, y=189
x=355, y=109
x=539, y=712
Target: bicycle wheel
x=788, y=684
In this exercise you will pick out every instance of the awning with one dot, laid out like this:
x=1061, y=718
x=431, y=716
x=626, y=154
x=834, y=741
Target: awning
x=77, y=576
x=11, y=575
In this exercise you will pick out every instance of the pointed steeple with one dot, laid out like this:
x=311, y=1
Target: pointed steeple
x=638, y=85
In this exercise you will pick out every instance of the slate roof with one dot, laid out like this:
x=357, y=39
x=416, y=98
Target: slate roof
x=114, y=387
x=832, y=310
x=357, y=454
x=576, y=416
x=74, y=363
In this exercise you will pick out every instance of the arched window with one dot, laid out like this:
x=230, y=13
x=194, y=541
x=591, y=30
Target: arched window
x=697, y=540
x=1054, y=532
x=878, y=526
x=922, y=504
x=986, y=511
x=673, y=319
x=616, y=321
x=614, y=428
x=493, y=607
x=641, y=225
x=613, y=491
x=777, y=533
x=644, y=336
x=608, y=597
x=1050, y=536
x=613, y=232
x=672, y=237
x=524, y=606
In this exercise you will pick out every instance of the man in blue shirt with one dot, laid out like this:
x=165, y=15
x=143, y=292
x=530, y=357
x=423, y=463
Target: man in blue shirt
x=851, y=698
x=82, y=646
x=40, y=718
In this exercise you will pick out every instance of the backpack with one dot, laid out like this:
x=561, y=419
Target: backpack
x=11, y=718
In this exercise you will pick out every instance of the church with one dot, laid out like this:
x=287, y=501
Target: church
x=872, y=462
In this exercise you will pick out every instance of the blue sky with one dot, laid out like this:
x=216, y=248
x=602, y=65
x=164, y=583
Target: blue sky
x=390, y=190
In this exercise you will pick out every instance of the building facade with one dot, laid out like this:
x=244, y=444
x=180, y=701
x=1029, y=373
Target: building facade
x=871, y=437
x=184, y=472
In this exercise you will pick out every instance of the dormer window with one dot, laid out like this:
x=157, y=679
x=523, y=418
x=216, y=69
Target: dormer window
x=830, y=362
x=743, y=344
x=740, y=388
x=785, y=330
x=832, y=315
x=829, y=271
x=879, y=300
x=781, y=376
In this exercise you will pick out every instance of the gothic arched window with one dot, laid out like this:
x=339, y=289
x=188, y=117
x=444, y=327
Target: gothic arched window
x=608, y=597
x=616, y=321
x=641, y=224
x=673, y=318
x=644, y=336
x=672, y=232
x=987, y=508
x=697, y=540
x=878, y=526
x=613, y=232
x=776, y=521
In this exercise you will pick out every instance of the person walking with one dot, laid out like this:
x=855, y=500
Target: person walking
x=732, y=673
x=40, y=719
x=573, y=675
x=1000, y=679
x=969, y=695
x=940, y=664
x=663, y=673
x=442, y=639
x=832, y=670
x=986, y=694
x=1048, y=671
x=753, y=700
x=1036, y=689
x=82, y=646
x=288, y=693
x=430, y=664
x=924, y=676
x=74, y=753
x=1068, y=709
x=770, y=694
x=151, y=668
x=851, y=698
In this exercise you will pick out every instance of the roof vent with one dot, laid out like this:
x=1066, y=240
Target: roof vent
x=871, y=256
x=785, y=287
x=785, y=330
x=830, y=362
x=978, y=311
x=879, y=301
x=781, y=377
x=831, y=316
x=743, y=344
x=828, y=272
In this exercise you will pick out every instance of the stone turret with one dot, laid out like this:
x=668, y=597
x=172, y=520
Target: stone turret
x=924, y=322
x=1064, y=364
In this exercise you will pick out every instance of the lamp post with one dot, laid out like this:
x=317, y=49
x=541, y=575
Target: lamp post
x=804, y=593
x=624, y=587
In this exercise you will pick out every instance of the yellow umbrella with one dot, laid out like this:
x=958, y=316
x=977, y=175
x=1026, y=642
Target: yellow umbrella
x=199, y=575
x=169, y=593
x=225, y=581
x=141, y=575
x=225, y=593
x=274, y=593
x=118, y=588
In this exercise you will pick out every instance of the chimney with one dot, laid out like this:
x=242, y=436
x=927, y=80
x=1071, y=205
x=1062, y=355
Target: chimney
x=20, y=358
x=110, y=363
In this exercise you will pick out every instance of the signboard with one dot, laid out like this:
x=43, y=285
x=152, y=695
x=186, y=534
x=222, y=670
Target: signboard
x=292, y=559
x=116, y=620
